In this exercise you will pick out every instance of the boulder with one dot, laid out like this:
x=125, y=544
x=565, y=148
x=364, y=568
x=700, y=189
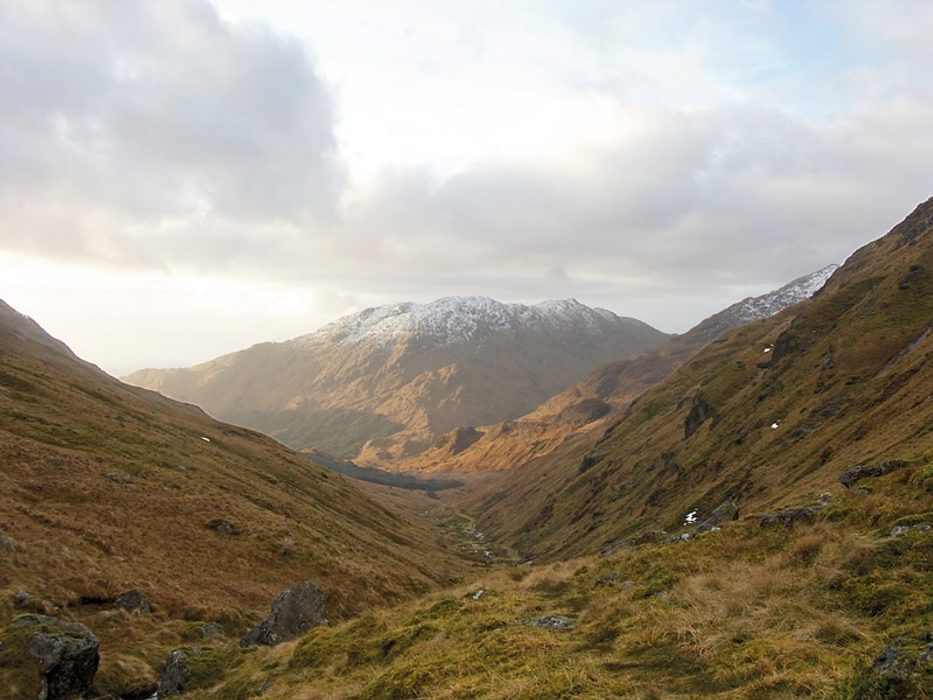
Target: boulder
x=134, y=601
x=67, y=654
x=864, y=471
x=176, y=675
x=222, y=527
x=724, y=512
x=294, y=611
x=789, y=517
x=7, y=545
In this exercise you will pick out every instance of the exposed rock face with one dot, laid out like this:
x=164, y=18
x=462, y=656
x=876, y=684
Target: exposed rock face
x=134, y=601
x=699, y=413
x=67, y=654
x=294, y=612
x=724, y=512
x=863, y=471
x=458, y=440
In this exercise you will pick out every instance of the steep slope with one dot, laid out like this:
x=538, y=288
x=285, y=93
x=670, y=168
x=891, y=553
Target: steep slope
x=594, y=403
x=770, y=413
x=107, y=487
x=398, y=376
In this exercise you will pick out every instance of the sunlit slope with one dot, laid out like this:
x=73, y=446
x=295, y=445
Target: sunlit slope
x=771, y=413
x=383, y=384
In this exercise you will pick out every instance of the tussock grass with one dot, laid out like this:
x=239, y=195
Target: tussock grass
x=746, y=612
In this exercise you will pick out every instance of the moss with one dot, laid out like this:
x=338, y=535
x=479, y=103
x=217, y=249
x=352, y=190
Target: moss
x=19, y=672
x=122, y=675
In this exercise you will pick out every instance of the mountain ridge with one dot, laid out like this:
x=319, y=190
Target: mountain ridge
x=395, y=377
x=591, y=404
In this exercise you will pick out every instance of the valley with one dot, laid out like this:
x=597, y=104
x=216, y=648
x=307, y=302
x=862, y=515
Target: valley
x=741, y=511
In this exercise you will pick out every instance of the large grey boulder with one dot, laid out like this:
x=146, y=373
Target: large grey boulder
x=67, y=654
x=294, y=612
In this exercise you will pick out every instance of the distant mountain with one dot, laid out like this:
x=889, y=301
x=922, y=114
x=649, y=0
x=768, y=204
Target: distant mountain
x=769, y=414
x=596, y=400
x=395, y=377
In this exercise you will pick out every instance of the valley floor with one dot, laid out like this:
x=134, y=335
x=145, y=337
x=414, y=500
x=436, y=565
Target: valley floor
x=839, y=607
x=747, y=611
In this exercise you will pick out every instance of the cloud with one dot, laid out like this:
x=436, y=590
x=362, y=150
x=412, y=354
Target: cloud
x=663, y=162
x=126, y=117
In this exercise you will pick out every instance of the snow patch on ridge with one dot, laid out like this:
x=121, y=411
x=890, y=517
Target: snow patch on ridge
x=755, y=308
x=459, y=319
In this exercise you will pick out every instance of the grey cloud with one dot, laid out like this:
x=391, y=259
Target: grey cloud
x=737, y=195
x=139, y=112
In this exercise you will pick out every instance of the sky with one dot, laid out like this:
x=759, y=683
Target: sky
x=183, y=178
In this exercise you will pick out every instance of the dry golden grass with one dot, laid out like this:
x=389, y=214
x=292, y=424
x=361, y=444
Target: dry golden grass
x=747, y=612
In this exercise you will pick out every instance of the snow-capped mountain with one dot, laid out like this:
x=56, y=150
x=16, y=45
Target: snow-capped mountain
x=608, y=390
x=766, y=305
x=399, y=375
x=461, y=319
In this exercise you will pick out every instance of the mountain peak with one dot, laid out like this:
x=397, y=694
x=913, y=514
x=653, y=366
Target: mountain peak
x=452, y=320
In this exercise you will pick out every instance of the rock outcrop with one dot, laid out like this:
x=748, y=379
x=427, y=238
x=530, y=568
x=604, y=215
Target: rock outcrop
x=294, y=612
x=66, y=653
x=724, y=512
x=862, y=471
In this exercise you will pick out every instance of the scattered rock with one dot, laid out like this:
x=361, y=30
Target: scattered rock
x=121, y=478
x=478, y=594
x=294, y=612
x=899, y=530
x=134, y=601
x=67, y=654
x=7, y=544
x=176, y=675
x=222, y=527
x=724, y=512
x=887, y=661
x=863, y=471
x=21, y=599
x=789, y=517
x=551, y=622
x=54, y=460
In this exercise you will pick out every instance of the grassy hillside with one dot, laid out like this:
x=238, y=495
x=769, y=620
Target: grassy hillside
x=106, y=488
x=776, y=410
x=744, y=612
